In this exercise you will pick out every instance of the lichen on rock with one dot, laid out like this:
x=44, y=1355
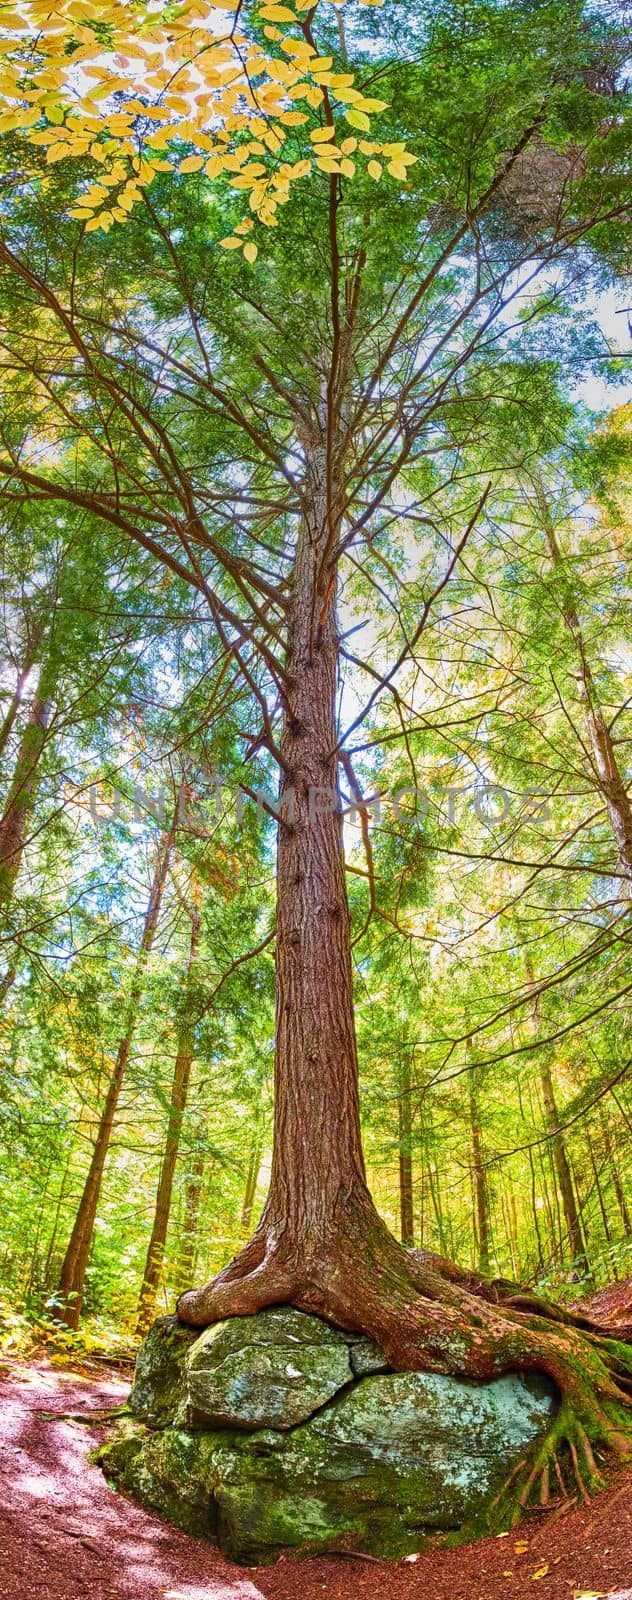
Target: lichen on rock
x=270, y=1371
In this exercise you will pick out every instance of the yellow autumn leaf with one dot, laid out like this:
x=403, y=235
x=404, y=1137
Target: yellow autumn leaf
x=521, y=1546
x=277, y=14
x=231, y=243
x=540, y=1572
x=369, y=105
x=374, y=170
x=348, y=167
x=397, y=169
x=192, y=164
x=357, y=119
x=250, y=250
x=322, y=135
x=95, y=222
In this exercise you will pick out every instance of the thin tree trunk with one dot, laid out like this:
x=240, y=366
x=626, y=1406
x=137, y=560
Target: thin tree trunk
x=179, y=1092
x=187, y=1251
x=608, y=774
x=616, y=1181
x=252, y=1179
x=562, y=1168
x=7, y=982
x=557, y=1141
x=6, y=726
x=406, y=1210
x=24, y=785
x=478, y=1171
x=73, y=1271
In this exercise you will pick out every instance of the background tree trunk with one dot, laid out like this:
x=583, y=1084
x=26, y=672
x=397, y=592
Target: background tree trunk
x=73, y=1270
x=188, y=1241
x=607, y=773
x=478, y=1168
x=564, y=1177
x=24, y=785
x=406, y=1210
x=177, y=1107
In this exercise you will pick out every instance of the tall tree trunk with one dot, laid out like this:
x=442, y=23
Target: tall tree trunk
x=318, y=1173
x=404, y=1117
x=564, y=1177
x=616, y=1180
x=73, y=1271
x=483, y=1228
x=320, y=1244
x=574, y=1235
x=177, y=1107
x=24, y=785
x=607, y=772
x=252, y=1178
x=6, y=726
x=188, y=1241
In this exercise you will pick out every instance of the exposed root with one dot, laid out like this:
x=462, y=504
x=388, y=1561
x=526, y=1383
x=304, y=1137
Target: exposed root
x=567, y=1452
x=427, y=1319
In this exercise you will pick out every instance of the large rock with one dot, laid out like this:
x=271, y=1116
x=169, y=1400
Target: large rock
x=376, y=1466
x=270, y=1371
x=159, y=1387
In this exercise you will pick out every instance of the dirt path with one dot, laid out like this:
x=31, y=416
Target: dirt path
x=65, y=1536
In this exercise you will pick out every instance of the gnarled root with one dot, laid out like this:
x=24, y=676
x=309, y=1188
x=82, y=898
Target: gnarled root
x=361, y=1279
x=563, y=1468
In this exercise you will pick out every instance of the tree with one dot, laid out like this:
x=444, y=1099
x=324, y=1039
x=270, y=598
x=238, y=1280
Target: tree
x=73, y=1271
x=266, y=477
x=177, y=1107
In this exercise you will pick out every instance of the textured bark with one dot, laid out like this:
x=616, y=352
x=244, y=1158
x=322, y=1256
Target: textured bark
x=321, y=1245
x=188, y=1242
x=483, y=1227
x=252, y=1179
x=8, y=721
x=564, y=1177
x=607, y=773
x=73, y=1270
x=177, y=1106
x=7, y=982
x=406, y=1211
x=24, y=785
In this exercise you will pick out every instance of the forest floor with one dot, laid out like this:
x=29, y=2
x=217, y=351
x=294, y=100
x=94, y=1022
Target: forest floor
x=64, y=1535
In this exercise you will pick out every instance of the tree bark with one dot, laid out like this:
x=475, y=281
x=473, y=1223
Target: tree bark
x=252, y=1179
x=478, y=1167
x=404, y=1117
x=321, y=1245
x=22, y=792
x=73, y=1270
x=608, y=775
x=567, y=1192
x=7, y=724
x=188, y=1241
x=179, y=1092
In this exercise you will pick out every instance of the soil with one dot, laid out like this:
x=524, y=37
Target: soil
x=64, y=1535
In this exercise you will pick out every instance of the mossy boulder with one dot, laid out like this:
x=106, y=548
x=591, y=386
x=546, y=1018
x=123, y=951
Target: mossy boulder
x=159, y=1386
x=376, y=1465
x=270, y=1371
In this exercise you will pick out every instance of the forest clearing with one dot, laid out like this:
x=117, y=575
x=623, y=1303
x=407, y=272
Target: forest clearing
x=315, y=812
